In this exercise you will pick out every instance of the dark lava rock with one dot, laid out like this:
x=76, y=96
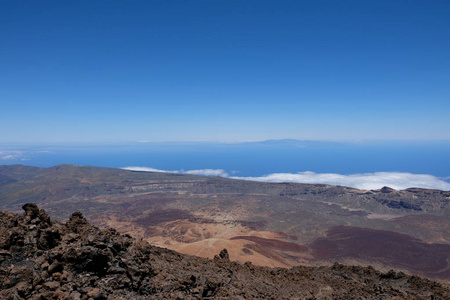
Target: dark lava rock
x=223, y=255
x=40, y=259
x=386, y=189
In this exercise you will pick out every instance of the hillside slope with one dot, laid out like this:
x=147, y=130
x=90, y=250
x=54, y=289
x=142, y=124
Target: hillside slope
x=44, y=259
x=269, y=224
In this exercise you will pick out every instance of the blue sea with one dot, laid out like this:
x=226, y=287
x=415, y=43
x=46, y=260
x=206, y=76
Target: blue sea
x=245, y=158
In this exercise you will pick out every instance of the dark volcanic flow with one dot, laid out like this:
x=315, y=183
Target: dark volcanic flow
x=272, y=243
x=44, y=259
x=268, y=224
x=162, y=216
x=384, y=247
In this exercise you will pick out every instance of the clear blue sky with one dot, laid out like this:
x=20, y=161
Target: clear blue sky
x=224, y=70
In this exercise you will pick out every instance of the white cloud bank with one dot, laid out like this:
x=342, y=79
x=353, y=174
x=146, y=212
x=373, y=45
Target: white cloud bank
x=204, y=172
x=366, y=181
x=19, y=155
x=12, y=155
x=147, y=169
x=208, y=172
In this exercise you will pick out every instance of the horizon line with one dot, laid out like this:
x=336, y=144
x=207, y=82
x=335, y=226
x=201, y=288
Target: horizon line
x=240, y=141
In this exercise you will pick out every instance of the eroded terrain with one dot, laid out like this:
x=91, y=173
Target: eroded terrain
x=268, y=224
x=44, y=259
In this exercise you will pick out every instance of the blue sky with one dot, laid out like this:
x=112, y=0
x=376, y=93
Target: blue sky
x=118, y=71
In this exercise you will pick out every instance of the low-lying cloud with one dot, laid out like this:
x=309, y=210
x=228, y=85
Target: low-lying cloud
x=364, y=181
x=208, y=172
x=203, y=172
x=147, y=169
x=19, y=155
x=12, y=155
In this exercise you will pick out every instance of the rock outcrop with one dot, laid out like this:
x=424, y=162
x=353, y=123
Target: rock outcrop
x=42, y=259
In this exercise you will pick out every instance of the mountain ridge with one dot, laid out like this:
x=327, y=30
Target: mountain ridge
x=259, y=222
x=45, y=259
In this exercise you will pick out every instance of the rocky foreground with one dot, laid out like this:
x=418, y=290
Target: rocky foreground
x=43, y=259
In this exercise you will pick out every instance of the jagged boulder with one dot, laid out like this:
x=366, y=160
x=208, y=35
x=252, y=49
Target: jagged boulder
x=41, y=259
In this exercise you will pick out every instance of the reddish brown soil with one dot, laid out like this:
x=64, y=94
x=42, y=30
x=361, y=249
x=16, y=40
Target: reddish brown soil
x=43, y=259
x=267, y=252
x=385, y=247
x=272, y=243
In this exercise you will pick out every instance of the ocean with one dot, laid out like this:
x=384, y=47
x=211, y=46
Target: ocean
x=245, y=159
